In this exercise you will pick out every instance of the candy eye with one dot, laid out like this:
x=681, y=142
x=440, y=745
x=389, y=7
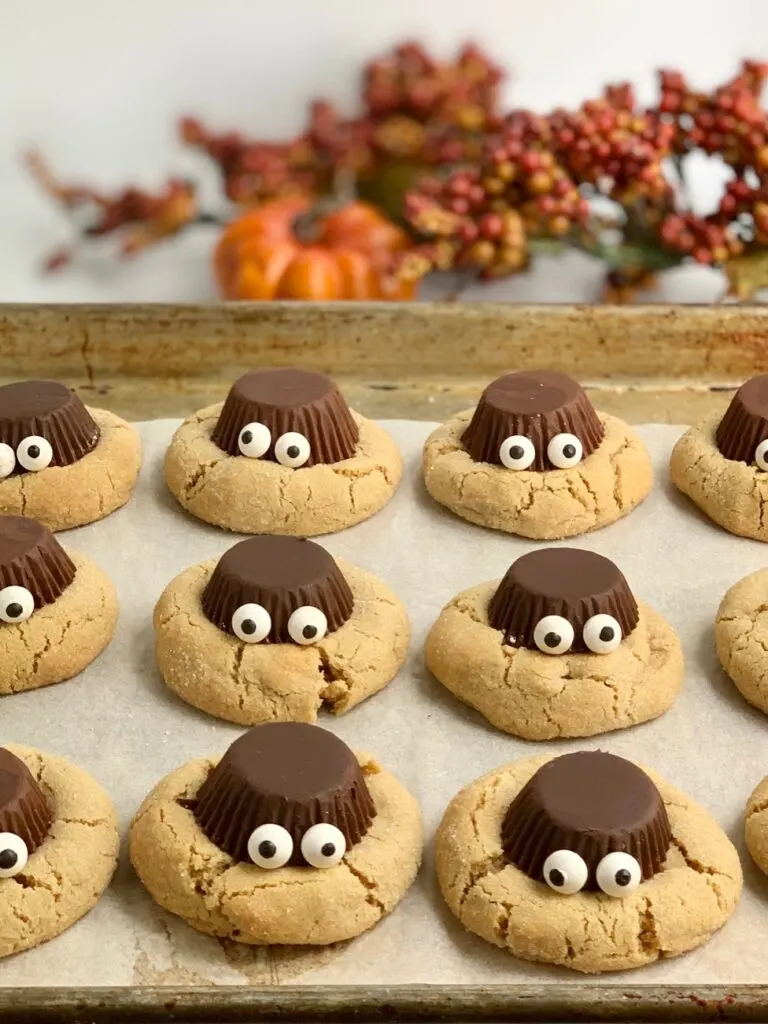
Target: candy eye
x=34, y=453
x=13, y=854
x=564, y=451
x=251, y=623
x=254, y=440
x=565, y=872
x=270, y=846
x=307, y=625
x=517, y=452
x=7, y=461
x=553, y=635
x=602, y=634
x=16, y=604
x=323, y=845
x=618, y=874
x=761, y=455
x=292, y=450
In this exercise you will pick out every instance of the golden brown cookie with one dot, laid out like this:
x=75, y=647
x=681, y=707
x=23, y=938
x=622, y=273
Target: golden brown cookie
x=298, y=900
x=543, y=505
x=741, y=637
x=61, y=462
x=675, y=910
x=557, y=648
x=66, y=874
x=58, y=610
x=732, y=493
x=240, y=677
x=255, y=495
x=756, y=825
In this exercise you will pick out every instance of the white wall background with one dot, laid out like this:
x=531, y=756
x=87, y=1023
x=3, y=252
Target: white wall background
x=98, y=86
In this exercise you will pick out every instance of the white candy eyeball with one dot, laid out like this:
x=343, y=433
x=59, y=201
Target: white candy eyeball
x=13, y=854
x=307, y=625
x=602, y=634
x=564, y=451
x=254, y=440
x=761, y=455
x=34, y=453
x=323, y=845
x=292, y=450
x=553, y=635
x=270, y=846
x=251, y=623
x=16, y=604
x=517, y=452
x=7, y=460
x=618, y=874
x=565, y=872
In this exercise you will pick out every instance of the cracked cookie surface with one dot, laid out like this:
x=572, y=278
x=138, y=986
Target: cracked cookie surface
x=59, y=640
x=66, y=876
x=733, y=494
x=258, y=496
x=673, y=912
x=543, y=506
x=254, y=683
x=62, y=497
x=756, y=825
x=191, y=877
x=741, y=637
x=537, y=696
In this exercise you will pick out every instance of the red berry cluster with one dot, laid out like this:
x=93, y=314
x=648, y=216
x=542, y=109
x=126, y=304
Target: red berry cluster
x=702, y=238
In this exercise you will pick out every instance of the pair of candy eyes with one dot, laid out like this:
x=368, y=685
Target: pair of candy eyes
x=33, y=454
x=252, y=624
x=271, y=846
x=291, y=449
x=618, y=874
x=563, y=451
x=555, y=635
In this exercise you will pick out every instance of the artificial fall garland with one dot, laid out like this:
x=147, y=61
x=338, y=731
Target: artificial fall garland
x=466, y=186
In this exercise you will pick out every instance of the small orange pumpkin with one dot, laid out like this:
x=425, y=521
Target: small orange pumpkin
x=289, y=249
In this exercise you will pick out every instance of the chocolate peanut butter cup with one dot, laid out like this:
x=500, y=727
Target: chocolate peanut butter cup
x=24, y=813
x=588, y=820
x=286, y=793
x=536, y=420
x=294, y=417
x=742, y=434
x=277, y=589
x=564, y=599
x=34, y=569
x=43, y=423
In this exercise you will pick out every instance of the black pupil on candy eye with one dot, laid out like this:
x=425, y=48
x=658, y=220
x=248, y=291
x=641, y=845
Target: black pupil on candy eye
x=246, y=437
x=8, y=859
x=14, y=610
x=516, y=451
x=309, y=632
x=33, y=451
x=248, y=626
x=569, y=451
x=267, y=849
x=293, y=451
x=623, y=877
x=556, y=877
x=606, y=634
x=552, y=640
x=328, y=849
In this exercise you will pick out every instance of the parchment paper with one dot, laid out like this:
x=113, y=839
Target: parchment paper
x=118, y=721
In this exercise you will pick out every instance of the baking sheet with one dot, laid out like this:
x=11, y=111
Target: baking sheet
x=118, y=721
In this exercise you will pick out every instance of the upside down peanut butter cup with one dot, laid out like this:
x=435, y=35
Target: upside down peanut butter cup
x=277, y=589
x=744, y=426
x=24, y=811
x=536, y=420
x=43, y=423
x=31, y=560
x=590, y=804
x=586, y=592
x=294, y=417
x=290, y=775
